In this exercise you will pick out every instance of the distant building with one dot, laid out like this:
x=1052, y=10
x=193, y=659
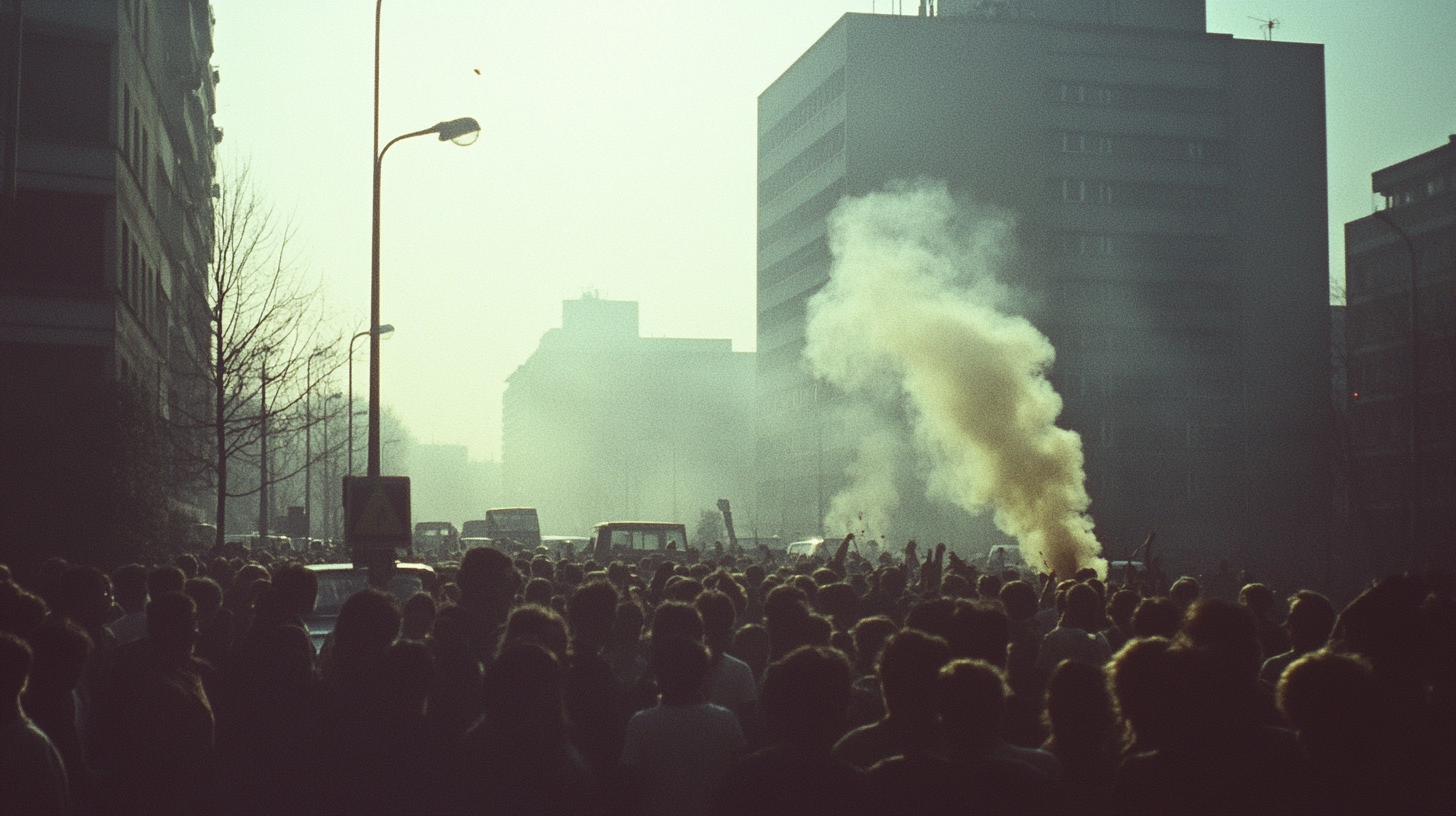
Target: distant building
x=446, y=485
x=1418, y=201
x=601, y=424
x=1168, y=187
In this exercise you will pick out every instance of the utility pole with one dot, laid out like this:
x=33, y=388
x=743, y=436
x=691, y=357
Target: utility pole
x=263, y=459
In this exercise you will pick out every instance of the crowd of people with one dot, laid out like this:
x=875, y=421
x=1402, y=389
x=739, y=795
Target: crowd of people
x=727, y=685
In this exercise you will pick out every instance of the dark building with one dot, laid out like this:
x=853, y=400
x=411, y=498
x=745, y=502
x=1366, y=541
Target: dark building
x=106, y=161
x=601, y=424
x=1394, y=438
x=1168, y=190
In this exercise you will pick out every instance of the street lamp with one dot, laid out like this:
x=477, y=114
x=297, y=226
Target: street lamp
x=461, y=131
x=308, y=443
x=329, y=469
x=377, y=332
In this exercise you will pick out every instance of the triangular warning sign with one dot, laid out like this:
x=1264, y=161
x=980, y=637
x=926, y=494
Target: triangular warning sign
x=378, y=517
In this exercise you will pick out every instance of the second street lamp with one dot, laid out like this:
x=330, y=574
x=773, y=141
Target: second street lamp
x=377, y=332
x=461, y=131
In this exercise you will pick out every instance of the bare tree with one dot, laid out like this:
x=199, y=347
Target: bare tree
x=267, y=348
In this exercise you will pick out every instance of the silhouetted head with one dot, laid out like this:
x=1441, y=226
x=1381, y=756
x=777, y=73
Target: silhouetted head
x=1019, y=599
x=1142, y=686
x=627, y=629
x=130, y=583
x=524, y=708
x=172, y=623
x=674, y=619
x=486, y=574
x=592, y=612
x=296, y=589
x=1228, y=633
x=61, y=650
x=805, y=697
x=408, y=673
x=189, y=565
x=84, y=595
x=1121, y=608
x=1311, y=619
x=679, y=666
x=971, y=697
x=751, y=645
x=418, y=616
x=539, y=625
x=932, y=616
x=162, y=580
x=1157, y=617
x=1258, y=599
x=206, y=594
x=1079, y=709
x=718, y=615
x=989, y=586
x=368, y=622
x=1083, y=610
x=1185, y=591
x=1331, y=699
x=980, y=630
x=839, y=601
x=538, y=591
x=683, y=590
x=870, y=635
x=21, y=613
x=907, y=667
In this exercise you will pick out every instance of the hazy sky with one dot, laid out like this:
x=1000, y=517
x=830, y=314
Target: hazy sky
x=618, y=154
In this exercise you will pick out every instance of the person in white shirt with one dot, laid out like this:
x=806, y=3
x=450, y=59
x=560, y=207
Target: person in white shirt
x=730, y=681
x=680, y=748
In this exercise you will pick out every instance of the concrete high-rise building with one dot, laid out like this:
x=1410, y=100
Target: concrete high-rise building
x=1411, y=238
x=601, y=424
x=107, y=167
x=1168, y=191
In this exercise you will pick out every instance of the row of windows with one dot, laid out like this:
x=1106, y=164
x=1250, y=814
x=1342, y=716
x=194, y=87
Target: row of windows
x=824, y=150
x=1183, y=254
x=136, y=139
x=140, y=283
x=814, y=251
x=817, y=100
x=1414, y=191
x=1153, y=437
x=1134, y=194
x=1149, y=97
x=1142, y=147
x=810, y=213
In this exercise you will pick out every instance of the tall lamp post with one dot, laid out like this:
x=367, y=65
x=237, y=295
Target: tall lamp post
x=1413, y=521
x=377, y=331
x=463, y=131
x=308, y=443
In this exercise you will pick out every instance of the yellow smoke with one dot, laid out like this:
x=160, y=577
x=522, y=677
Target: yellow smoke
x=912, y=295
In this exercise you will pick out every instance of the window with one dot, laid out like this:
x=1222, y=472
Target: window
x=1074, y=143
x=1074, y=191
x=1435, y=186
x=1104, y=193
x=1104, y=145
x=1195, y=151
x=123, y=282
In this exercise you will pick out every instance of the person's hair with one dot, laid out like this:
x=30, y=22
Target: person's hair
x=870, y=635
x=677, y=619
x=592, y=611
x=1311, y=619
x=1330, y=698
x=368, y=622
x=172, y=621
x=1228, y=632
x=130, y=585
x=1157, y=617
x=408, y=672
x=837, y=600
x=541, y=625
x=932, y=616
x=162, y=580
x=1140, y=684
x=61, y=650
x=679, y=666
x=980, y=630
x=1185, y=591
x=418, y=615
x=989, y=586
x=907, y=668
x=296, y=589
x=21, y=612
x=538, y=591
x=479, y=568
x=953, y=585
x=805, y=696
x=206, y=593
x=971, y=698
x=1079, y=710
x=627, y=628
x=523, y=693
x=717, y=612
x=751, y=645
x=1122, y=606
x=83, y=594
x=16, y=658
x=1257, y=598
x=1083, y=610
x=1019, y=598
x=189, y=564
x=684, y=590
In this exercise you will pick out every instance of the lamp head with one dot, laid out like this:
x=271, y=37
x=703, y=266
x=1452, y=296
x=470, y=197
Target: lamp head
x=384, y=330
x=462, y=131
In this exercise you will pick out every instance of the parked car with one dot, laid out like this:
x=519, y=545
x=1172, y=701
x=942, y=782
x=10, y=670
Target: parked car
x=340, y=582
x=611, y=536
x=807, y=547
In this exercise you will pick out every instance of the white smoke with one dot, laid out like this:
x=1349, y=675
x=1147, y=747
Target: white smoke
x=866, y=505
x=912, y=295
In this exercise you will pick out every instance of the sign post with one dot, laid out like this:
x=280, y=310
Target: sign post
x=377, y=522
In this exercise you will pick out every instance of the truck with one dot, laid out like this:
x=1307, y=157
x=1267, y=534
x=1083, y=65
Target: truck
x=519, y=524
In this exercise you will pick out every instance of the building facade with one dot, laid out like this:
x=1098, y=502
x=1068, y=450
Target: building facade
x=1403, y=451
x=107, y=163
x=1168, y=191
x=601, y=424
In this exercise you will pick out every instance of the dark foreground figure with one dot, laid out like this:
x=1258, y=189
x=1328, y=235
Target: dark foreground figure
x=729, y=686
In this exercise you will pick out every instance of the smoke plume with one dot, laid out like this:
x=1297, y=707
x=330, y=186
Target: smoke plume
x=912, y=296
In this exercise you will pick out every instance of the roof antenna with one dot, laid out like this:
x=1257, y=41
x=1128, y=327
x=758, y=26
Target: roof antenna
x=1267, y=25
